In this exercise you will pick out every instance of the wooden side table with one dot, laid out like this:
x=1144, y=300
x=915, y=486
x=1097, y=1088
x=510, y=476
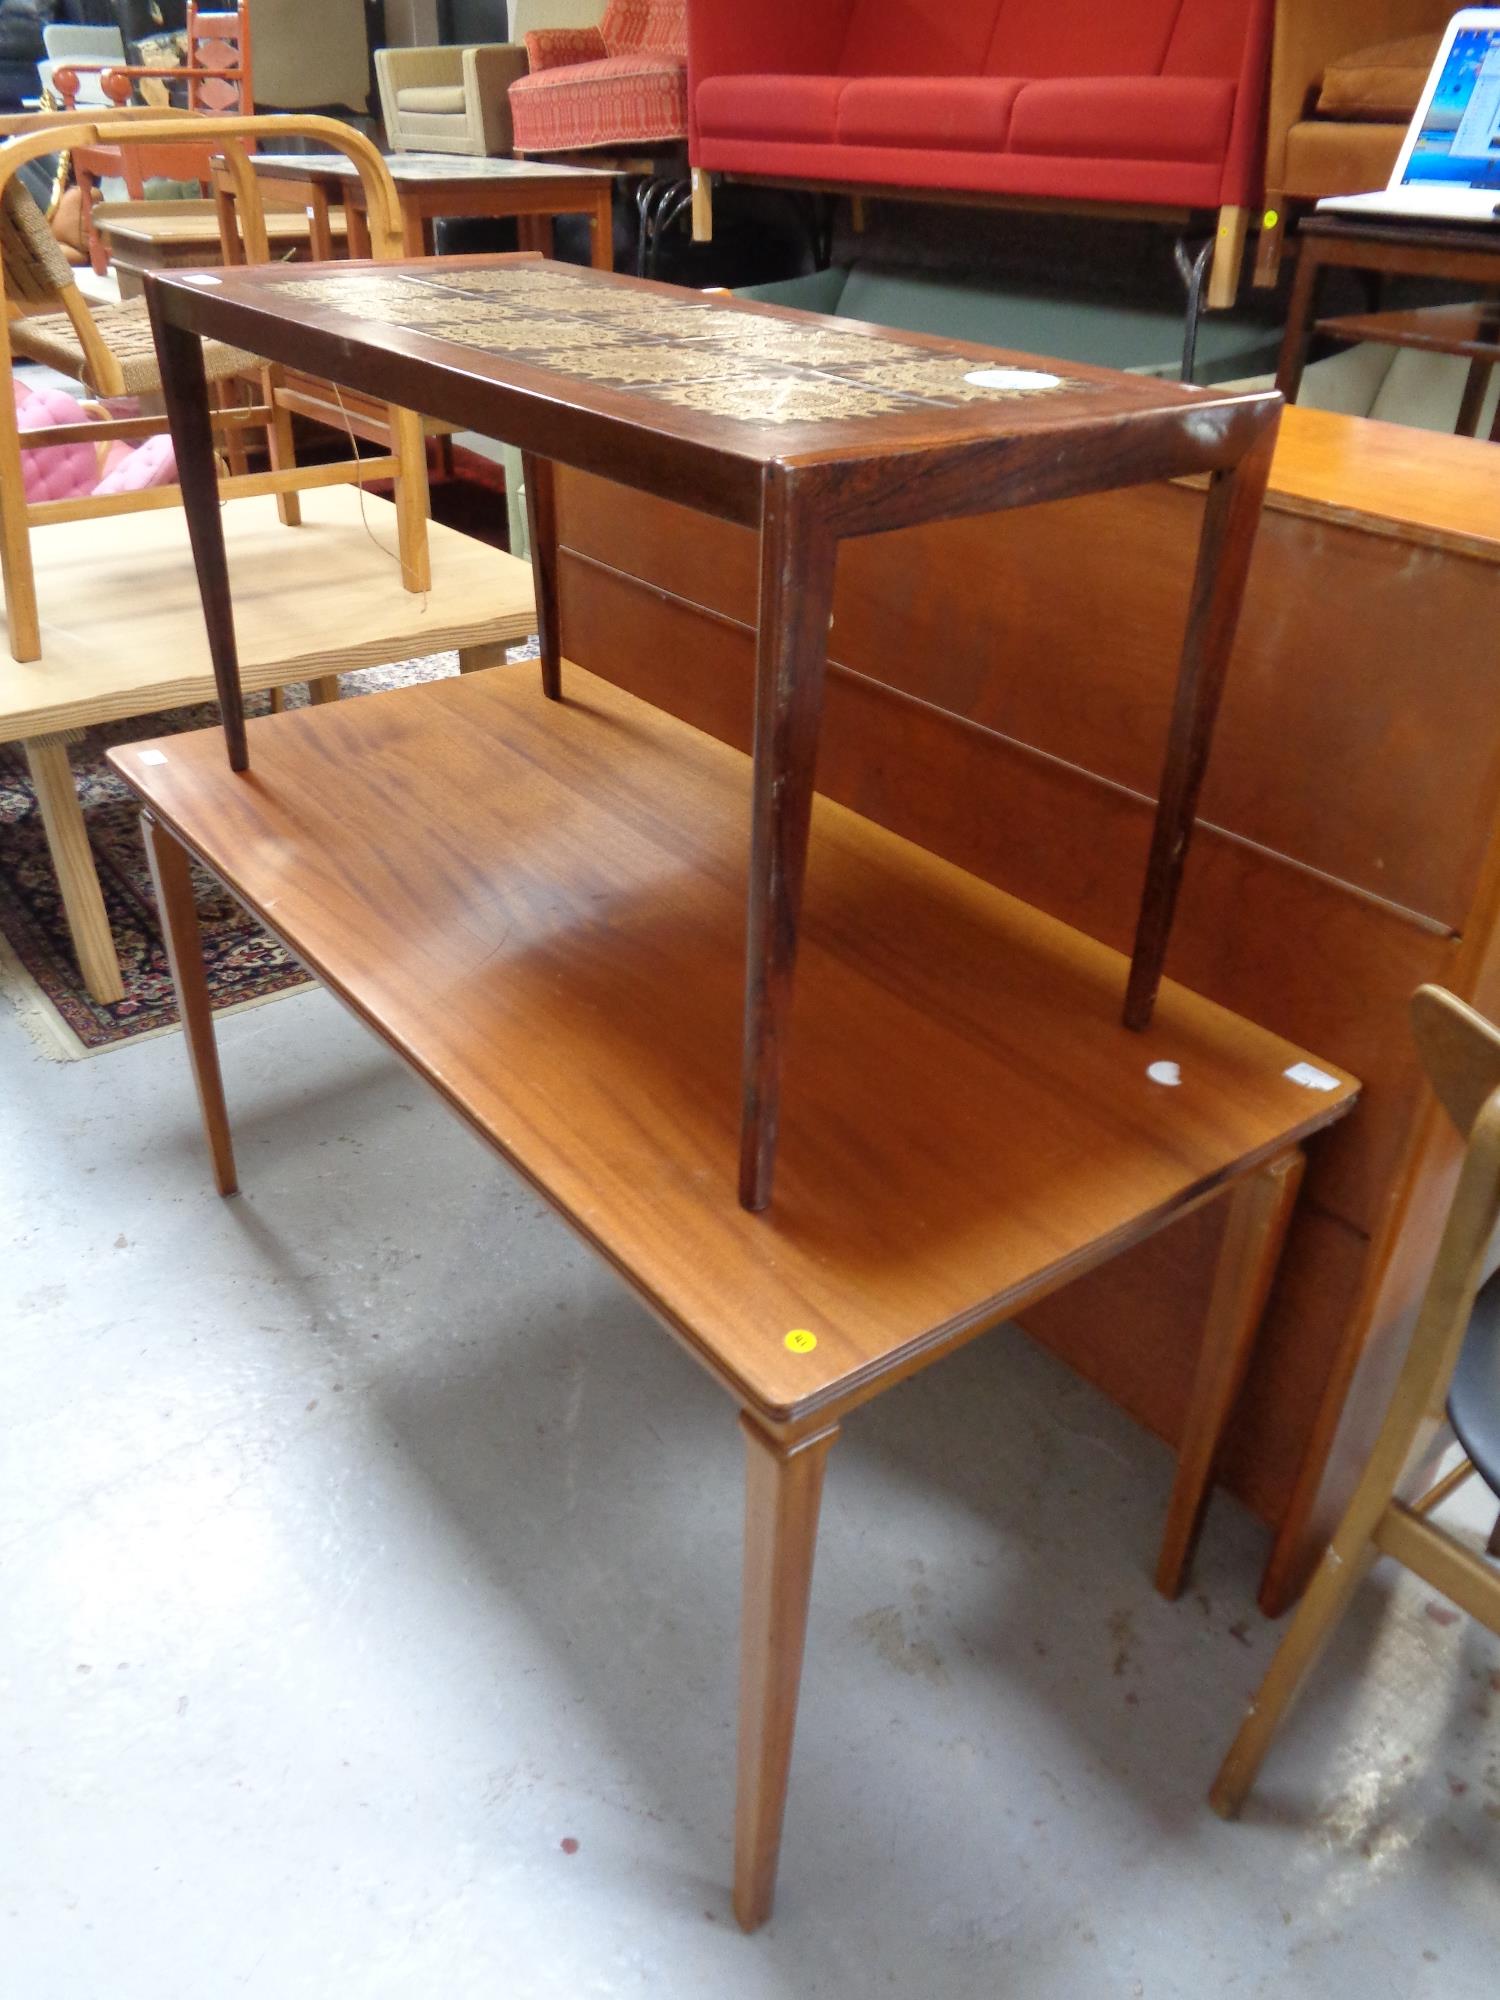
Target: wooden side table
x=809, y=431
x=434, y=185
x=538, y=909
x=1425, y=250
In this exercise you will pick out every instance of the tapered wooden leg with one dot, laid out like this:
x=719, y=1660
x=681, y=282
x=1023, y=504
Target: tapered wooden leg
x=172, y=879
x=1471, y=403
x=77, y=877
x=1224, y=552
x=324, y=689
x=541, y=519
x=413, y=502
x=783, y=1490
x=1260, y=1210
x=1272, y=236
x=185, y=393
x=797, y=559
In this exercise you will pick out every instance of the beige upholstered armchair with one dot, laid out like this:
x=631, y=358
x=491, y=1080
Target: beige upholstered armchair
x=449, y=100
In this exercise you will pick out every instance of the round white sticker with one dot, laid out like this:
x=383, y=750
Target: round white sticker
x=1013, y=378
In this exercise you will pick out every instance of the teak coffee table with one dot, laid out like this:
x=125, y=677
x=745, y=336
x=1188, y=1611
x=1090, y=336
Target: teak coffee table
x=432, y=185
x=539, y=910
x=805, y=428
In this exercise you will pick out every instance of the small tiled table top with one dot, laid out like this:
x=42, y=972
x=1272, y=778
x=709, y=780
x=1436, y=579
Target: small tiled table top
x=725, y=378
x=683, y=350
x=443, y=168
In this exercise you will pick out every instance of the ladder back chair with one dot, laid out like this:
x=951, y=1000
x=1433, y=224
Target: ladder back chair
x=1449, y=1388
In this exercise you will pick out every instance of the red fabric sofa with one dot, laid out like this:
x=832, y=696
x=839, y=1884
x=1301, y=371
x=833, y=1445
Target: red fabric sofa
x=1147, y=103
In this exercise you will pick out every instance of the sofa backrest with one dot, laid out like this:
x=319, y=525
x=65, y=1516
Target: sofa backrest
x=1046, y=38
x=659, y=25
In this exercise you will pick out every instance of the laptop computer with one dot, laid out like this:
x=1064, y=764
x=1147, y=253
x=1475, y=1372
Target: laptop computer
x=1448, y=169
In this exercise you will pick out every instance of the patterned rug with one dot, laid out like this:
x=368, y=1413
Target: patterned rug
x=41, y=975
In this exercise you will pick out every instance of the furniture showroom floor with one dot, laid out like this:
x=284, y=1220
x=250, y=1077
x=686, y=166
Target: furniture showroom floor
x=365, y=1630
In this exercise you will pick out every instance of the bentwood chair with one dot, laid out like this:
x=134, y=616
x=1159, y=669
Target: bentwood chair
x=109, y=348
x=1449, y=1389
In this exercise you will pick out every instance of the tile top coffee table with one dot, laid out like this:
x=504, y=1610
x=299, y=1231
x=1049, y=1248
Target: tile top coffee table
x=805, y=428
x=431, y=185
x=539, y=909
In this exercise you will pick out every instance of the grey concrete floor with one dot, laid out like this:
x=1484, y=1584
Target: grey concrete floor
x=368, y=1592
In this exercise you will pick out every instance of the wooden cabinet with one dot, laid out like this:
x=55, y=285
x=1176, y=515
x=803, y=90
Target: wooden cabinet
x=999, y=696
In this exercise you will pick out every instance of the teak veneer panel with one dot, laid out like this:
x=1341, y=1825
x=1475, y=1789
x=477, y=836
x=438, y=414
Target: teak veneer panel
x=122, y=622
x=551, y=931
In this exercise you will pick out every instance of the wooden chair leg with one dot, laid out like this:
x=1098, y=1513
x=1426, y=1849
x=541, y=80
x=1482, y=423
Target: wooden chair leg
x=171, y=876
x=1492, y=1546
x=235, y=457
x=77, y=877
x=1401, y=1447
x=1229, y=258
x=23, y=620
x=1260, y=1210
x=703, y=206
x=1272, y=238
x=281, y=445
x=783, y=1491
x=324, y=688
x=412, y=500
x=474, y=659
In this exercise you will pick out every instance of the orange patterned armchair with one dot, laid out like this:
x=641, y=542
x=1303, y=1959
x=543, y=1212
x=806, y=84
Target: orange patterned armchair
x=623, y=83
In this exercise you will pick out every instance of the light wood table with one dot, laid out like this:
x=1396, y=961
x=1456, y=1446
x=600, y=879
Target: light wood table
x=122, y=635
x=433, y=185
x=539, y=910
x=814, y=432
x=146, y=236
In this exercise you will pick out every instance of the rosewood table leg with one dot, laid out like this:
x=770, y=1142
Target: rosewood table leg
x=1260, y=1211
x=1471, y=405
x=1224, y=551
x=541, y=520
x=797, y=559
x=171, y=876
x=185, y=394
x=783, y=1491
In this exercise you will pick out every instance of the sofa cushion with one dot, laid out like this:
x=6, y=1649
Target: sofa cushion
x=770, y=107
x=1328, y=157
x=431, y=97
x=967, y=113
x=625, y=100
x=1124, y=117
x=1383, y=84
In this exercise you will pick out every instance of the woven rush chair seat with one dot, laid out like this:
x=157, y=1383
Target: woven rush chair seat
x=126, y=332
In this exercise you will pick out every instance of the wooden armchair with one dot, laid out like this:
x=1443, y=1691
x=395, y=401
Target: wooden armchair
x=216, y=81
x=1449, y=1390
x=110, y=351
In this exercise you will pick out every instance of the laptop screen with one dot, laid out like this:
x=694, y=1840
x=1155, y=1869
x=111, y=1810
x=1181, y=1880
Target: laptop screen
x=1459, y=143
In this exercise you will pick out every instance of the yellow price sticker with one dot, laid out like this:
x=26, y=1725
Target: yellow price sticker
x=1271, y=218
x=800, y=1341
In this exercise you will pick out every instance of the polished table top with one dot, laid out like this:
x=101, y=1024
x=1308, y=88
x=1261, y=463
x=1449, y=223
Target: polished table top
x=697, y=395
x=541, y=907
